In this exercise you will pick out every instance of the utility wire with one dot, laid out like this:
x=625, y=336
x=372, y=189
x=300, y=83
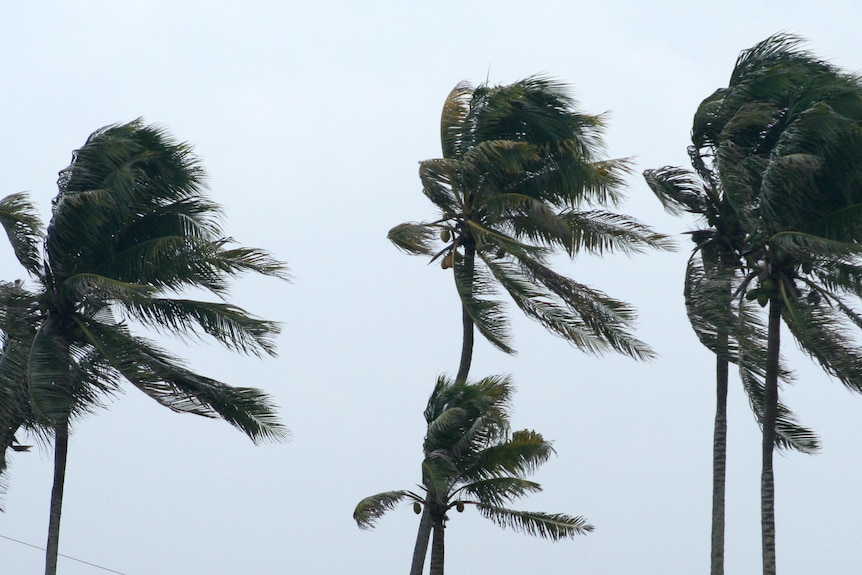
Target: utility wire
x=66, y=556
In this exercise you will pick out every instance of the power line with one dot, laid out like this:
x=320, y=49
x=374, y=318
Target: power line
x=66, y=556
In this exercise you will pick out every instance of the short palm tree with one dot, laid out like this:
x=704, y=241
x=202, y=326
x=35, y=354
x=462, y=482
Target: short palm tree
x=472, y=458
x=520, y=175
x=131, y=228
x=784, y=141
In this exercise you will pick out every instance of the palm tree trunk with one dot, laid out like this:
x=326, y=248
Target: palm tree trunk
x=61, y=448
x=719, y=460
x=437, y=549
x=770, y=409
x=466, y=347
x=467, y=320
x=420, y=549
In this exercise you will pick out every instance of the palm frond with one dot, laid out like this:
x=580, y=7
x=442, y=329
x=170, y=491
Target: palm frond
x=413, y=238
x=23, y=227
x=585, y=317
x=498, y=491
x=48, y=375
x=821, y=332
x=452, y=120
x=439, y=179
x=519, y=455
x=553, y=526
x=678, y=190
x=600, y=231
x=789, y=433
x=165, y=379
x=226, y=323
x=372, y=508
x=475, y=288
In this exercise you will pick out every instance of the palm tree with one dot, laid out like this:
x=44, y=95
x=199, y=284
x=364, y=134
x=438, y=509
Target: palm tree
x=714, y=271
x=520, y=165
x=472, y=458
x=131, y=228
x=784, y=142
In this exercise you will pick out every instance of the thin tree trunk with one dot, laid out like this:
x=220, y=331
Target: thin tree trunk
x=466, y=320
x=437, y=548
x=719, y=460
x=420, y=550
x=466, y=347
x=770, y=409
x=61, y=447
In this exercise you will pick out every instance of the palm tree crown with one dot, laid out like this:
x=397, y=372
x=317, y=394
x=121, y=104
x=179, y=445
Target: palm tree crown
x=520, y=173
x=472, y=458
x=131, y=228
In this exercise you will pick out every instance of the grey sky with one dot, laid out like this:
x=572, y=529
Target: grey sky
x=310, y=119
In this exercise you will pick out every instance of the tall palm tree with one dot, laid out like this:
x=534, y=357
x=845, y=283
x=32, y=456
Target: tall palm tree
x=784, y=141
x=131, y=228
x=521, y=171
x=472, y=458
x=715, y=270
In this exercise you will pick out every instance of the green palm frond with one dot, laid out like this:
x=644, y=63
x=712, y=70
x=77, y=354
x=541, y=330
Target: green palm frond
x=497, y=243
x=475, y=289
x=587, y=318
x=821, y=331
x=93, y=287
x=413, y=238
x=553, y=526
x=678, y=190
x=23, y=227
x=519, y=455
x=806, y=246
x=497, y=491
x=372, y=508
x=452, y=120
x=490, y=165
x=48, y=376
x=600, y=231
x=228, y=324
x=165, y=378
x=439, y=177
x=177, y=262
x=789, y=433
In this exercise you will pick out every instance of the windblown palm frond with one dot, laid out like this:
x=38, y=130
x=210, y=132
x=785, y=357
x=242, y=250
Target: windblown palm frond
x=372, y=508
x=554, y=526
x=23, y=227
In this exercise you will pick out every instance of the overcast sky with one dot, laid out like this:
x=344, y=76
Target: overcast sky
x=310, y=118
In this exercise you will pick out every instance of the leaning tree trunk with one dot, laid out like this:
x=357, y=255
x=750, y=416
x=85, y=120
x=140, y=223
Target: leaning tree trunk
x=719, y=460
x=770, y=410
x=437, y=548
x=420, y=550
x=466, y=319
x=61, y=447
